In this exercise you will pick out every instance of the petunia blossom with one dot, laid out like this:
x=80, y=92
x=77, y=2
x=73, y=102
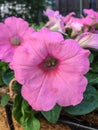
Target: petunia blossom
x=14, y=31
x=91, y=18
x=73, y=23
x=68, y=17
x=51, y=70
x=56, y=20
x=88, y=40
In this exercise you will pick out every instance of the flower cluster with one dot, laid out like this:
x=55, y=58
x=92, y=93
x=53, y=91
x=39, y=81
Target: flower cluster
x=50, y=64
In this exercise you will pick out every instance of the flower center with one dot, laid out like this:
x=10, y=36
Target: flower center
x=15, y=41
x=49, y=63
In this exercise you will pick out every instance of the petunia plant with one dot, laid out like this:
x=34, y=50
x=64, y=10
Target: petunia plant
x=49, y=69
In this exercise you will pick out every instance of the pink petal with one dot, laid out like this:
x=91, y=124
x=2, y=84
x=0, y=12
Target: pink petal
x=16, y=25
x=69, y=61
x=27, y=65
x=41, y=96
x=68, y=17
x=48, y=45
x=5, y=32
x=72, y=49
x=88, y=39
x=70, y=88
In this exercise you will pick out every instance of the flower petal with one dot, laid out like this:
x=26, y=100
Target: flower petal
x=70, y=88
x=16, y=25
x=88, y=39
x=41, y=96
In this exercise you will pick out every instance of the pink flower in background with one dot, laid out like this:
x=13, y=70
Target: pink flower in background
x=73, y=23
x=56, y=21
x=68, y=17
x=91, y=18
x=14, y=32
x=51, y=70
x=88, y=40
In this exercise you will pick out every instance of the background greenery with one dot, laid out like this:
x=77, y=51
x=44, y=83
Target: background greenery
x=30, y=10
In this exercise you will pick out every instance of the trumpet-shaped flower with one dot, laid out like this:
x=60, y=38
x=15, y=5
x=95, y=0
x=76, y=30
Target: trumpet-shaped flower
x=91, y=18
x=14, y=32
x=51, y=70
x=68, y=17
x=88, y=40
x=56, y=21
x=73, y=23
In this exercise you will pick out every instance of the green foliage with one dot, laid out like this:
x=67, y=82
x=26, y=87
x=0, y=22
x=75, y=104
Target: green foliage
x=52, y=115
x=7, y=76
x=95, y=67
x=3, y=67
x=17, y=108
x=32, y=124
x=91, y=58
x=92, y=78
x=37, y=27
x=89, y=103
x=31, y=11
x=4, y=99
x=16, y=87
x=24, y=114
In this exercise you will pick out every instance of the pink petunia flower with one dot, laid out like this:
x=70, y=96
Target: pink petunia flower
x=91, y=18
x=73, y=23
x=56, y=21
x=14, y=32
x=68, y=17
x=51, y=70
x=88, y=40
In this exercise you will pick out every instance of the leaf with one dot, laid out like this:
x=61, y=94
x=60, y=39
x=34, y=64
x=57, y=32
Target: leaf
x=32, y=124
x=92, y=77
x=16, y=111
x=52, y=115
x=25, y=105
x=4, y=99
x=16, y=87
x=89, y=103
x=7, y=76
x=95, y=67
x=3, y=67
x=21, y=110
x=91, y=58
x=26, y=109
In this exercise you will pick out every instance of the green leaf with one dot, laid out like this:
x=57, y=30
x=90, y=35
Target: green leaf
x=52, y=115
x=16, y=111
x=4, y=99
x=25, y=105
x=91, y=58
x=89, y=103
x=95, y=67
x=3, y=67
x=21, y=110
x=32, y=124
x=16, y=87
x=92, y=77
x=7, y=76
x=26, y=109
